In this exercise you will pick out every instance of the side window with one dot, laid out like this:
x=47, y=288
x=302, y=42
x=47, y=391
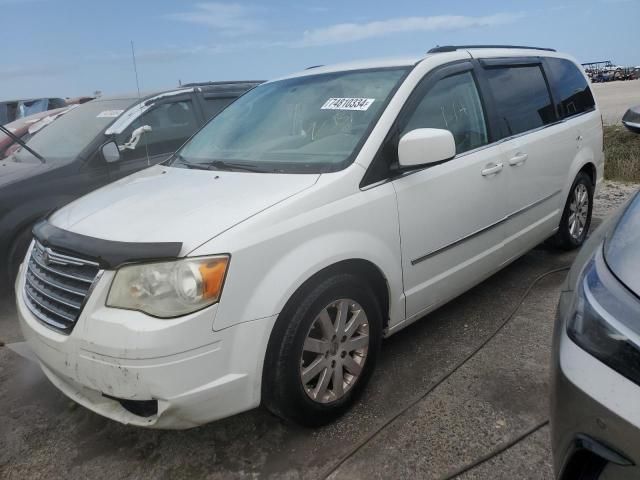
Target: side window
x=171, y=125
x=522, y=97
x=453, y=104
x=570, y=86
x=214, y=105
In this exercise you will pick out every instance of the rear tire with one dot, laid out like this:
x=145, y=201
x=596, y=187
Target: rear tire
x=322, y=351
x=576, y=217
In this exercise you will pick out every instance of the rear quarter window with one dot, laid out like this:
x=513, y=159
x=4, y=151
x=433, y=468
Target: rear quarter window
x=570, y=87
x=522, y=98
x=214, y=105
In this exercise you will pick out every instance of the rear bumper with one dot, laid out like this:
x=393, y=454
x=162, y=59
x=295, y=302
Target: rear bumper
x=218, y=377
x=591, y=401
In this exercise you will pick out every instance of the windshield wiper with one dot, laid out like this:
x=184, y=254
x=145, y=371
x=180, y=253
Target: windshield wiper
x=219, y=165
x=180, y=159
x=223, y=165
x=19, y=141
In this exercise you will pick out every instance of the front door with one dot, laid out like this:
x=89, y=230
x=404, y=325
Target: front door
x=451, y=214
x=171, y=123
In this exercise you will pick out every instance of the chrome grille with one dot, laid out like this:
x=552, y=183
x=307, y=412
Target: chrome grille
x=56, y=286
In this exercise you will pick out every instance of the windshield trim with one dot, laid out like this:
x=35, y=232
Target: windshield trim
x=301, y=168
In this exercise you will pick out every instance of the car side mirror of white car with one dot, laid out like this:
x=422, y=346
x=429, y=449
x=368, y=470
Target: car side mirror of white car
x=110, y=152
x=424, y=146
x=136, y=135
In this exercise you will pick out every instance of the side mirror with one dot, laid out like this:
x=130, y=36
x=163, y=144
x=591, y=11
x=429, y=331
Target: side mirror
x=111, y=152
x=424, y=146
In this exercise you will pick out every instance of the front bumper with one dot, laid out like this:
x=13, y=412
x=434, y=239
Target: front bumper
x=590, y=400
x=195, y=374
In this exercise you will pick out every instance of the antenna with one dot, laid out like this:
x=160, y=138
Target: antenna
x=135, y=69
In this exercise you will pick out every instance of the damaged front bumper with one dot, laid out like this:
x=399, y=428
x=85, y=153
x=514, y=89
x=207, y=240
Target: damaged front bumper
x=143, y=371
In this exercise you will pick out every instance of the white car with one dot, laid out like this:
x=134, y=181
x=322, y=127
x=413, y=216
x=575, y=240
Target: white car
x=316, y=215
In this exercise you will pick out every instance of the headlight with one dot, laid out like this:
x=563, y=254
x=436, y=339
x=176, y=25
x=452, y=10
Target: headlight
x=169, y=289
x=606, y=322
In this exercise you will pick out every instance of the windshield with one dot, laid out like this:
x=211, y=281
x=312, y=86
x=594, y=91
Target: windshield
x=71, y=133
x=304, y=124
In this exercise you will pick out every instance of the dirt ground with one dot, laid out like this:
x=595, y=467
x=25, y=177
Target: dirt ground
x=615, y=98
x=610, y=196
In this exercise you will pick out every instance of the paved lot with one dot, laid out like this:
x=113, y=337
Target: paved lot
x=615, y=98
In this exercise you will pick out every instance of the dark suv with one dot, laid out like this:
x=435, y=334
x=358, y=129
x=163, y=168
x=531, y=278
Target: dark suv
x=92, y=145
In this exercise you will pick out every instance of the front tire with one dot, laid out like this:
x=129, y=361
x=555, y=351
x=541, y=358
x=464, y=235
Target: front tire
x=576, y=217
x=322, y=351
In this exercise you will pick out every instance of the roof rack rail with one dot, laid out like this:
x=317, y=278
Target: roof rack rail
x=453, y=48
x=314, y=66
x=229, y=82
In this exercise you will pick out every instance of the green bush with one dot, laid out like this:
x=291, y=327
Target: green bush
x=622, y=154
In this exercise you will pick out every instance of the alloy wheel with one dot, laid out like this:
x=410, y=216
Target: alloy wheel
x=334, y=351
x=578, y=211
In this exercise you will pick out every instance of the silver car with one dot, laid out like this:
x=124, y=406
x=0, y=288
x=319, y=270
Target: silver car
x=595, y=404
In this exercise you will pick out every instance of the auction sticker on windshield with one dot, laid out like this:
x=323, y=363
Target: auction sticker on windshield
x=348, y=104
x=110, y=113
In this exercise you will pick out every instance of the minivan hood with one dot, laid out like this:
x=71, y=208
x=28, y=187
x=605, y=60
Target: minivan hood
x=166, y=204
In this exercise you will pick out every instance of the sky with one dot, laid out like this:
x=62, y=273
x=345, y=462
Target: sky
x=66, y=48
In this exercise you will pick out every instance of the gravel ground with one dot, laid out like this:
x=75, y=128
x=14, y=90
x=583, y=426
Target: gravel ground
x=610, y=196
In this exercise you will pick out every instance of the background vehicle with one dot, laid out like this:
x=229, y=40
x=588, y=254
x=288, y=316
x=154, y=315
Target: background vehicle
x=314, y=216
x=11, y=110
x=146, y=131
x=20, y=128
x=631, y=119
x=595, y=418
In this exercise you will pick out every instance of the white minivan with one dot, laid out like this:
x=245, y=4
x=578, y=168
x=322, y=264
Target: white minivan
x=316, y=215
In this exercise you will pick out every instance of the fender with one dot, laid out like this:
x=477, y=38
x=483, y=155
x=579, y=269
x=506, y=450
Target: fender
x=273, y=257
x=276, y=286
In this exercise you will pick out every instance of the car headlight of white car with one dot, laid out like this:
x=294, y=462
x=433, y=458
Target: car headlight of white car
x=169, y=289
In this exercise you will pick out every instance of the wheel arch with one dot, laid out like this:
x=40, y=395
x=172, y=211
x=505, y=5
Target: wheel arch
x=360, y=267
x=590, y=169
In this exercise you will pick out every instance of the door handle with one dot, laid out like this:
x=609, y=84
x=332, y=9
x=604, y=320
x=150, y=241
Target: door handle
x=518, y=159
x=491, y=169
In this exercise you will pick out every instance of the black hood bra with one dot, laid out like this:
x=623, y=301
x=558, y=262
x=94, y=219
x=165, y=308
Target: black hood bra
x=108, y=254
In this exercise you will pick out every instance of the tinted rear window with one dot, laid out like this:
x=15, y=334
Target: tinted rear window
x=522, y=98
x=214, y=105
x=570, y=86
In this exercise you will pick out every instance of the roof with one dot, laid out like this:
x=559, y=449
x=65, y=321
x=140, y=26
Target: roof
x=475, y=51
x=359, y=65
x=224, y=86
